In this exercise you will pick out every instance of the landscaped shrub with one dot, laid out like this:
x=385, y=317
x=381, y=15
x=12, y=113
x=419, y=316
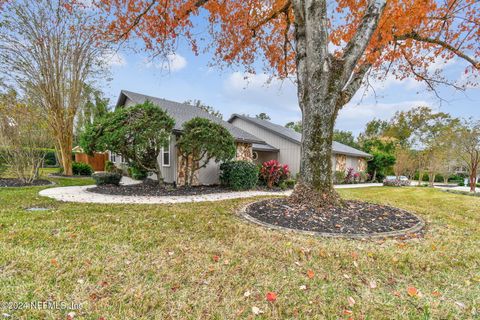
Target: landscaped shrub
x=396, y=183
x=82, y=169
x=50, y=158
x=339, y=177
x=137, y=173
x=290, y=183
x=103, y=178
x=239, y=175
x=109, y=166
x=349, y=176
x=273, y=173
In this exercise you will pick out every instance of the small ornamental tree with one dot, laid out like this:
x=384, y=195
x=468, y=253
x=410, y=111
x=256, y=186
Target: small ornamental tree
x=24, y=137
x=383, y=157
x=201, y=141
x=137, y=133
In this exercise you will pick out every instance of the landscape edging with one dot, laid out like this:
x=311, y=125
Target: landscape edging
x=416, y=228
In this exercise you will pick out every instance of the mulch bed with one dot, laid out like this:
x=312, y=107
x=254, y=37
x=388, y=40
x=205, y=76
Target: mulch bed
x=11, y=182
x=355, y=218
x=152, y=190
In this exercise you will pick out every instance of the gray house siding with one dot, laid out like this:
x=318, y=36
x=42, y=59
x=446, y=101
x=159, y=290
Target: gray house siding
x=289, y=152
x=169, y=173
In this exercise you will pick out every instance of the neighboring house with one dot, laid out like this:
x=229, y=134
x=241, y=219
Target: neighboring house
x=283, y=144
x=170, y=159
x=256, y=140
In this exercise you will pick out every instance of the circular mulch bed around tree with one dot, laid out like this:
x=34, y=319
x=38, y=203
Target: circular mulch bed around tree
x=356, y=219
x=11, y=182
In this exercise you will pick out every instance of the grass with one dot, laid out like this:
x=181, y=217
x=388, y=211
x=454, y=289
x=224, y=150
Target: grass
x=158, y=261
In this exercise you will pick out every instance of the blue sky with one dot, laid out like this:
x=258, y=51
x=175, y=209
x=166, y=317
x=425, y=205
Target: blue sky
x=186, y=76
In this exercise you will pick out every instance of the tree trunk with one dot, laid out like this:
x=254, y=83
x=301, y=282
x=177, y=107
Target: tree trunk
x=473, y=179
x=158, y=173
x=420, y=177
x=374, y=177
x=315, y=185
x=431, y=178
x=325, y=84
x=65, y=145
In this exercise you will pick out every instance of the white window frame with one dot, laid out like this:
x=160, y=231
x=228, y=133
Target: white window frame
x=113, y=157
x=169, y=155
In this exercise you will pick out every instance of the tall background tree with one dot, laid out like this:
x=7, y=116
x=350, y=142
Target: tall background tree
x=468, y=147
x=92, y=107
x=50, y=49
x=205, y=107
x=330, y=46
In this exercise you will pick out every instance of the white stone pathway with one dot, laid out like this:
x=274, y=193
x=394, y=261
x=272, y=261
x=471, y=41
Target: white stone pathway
x=80, y=194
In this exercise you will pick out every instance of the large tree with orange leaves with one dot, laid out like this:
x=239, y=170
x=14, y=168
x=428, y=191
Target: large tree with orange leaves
x=330, y=46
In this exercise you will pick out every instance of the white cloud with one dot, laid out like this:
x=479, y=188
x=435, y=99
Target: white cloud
x=173, y=62
x=115, y=59
x=260, y=92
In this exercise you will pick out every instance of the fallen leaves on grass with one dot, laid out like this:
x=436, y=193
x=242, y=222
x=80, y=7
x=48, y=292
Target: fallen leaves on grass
x=351, y=301
x=436, y=293
x=373, y=284
x=216, y=258
x=271, y=296
x=256, y=311
x=412, y=292
x=310, y=274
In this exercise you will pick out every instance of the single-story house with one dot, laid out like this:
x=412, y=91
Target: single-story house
x=283, y=144
x=256, y=140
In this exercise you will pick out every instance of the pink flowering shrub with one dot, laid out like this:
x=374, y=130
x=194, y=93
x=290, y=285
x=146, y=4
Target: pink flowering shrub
x=274, y=173
x=352, y=176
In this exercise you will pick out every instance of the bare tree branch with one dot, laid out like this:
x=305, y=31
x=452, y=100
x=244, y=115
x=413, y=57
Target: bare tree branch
x=458, y=52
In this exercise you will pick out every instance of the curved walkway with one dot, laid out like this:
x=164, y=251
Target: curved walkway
x=80, y=194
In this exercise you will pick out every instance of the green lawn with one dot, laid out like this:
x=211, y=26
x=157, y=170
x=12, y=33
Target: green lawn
x=158, y=261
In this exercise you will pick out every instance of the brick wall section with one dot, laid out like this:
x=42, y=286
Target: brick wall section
x=361, y=165
x=244, y=151
x=341, y=162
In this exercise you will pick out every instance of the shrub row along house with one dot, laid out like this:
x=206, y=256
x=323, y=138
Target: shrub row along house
x=256, y=140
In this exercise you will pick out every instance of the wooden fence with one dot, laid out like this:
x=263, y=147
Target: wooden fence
x=97, y=161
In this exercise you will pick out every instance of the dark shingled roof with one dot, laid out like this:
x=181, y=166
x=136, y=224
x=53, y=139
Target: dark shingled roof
x=182, y=112
x=263, y=147
x=296, y=137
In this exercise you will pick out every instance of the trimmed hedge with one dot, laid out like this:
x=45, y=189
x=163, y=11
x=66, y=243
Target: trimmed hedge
x=136, y=173
x=103, y=178
x=239, y=175
x=81, y=169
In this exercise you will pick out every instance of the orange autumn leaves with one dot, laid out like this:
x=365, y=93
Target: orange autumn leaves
x=243, y=32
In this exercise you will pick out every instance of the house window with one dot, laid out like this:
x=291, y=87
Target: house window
x=166, y=155
x=113, y=157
